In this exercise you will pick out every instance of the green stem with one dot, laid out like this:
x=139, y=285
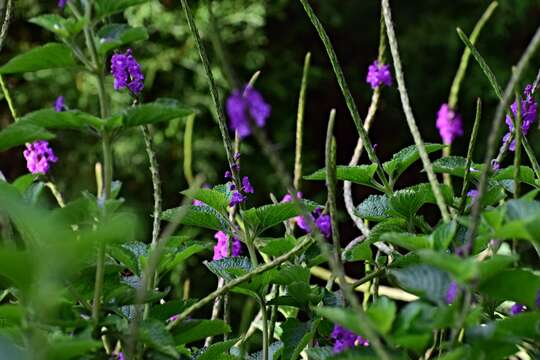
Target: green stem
x=517, y=153
x=188, y=149
x=408, y=111
x=9, y=100
x=246, y=277
x=351, y=105
x=531, y=156
x=493, y=136
x=264, y=314
x=57, y=195
x=300, y=123
x=334, y=257
x=372, y=275
x=470, y=150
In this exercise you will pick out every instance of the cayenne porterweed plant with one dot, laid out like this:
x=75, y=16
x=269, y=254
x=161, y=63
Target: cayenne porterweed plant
x=80, y=281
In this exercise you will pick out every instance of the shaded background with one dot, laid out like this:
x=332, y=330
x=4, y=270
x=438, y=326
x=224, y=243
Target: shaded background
x=272, y=36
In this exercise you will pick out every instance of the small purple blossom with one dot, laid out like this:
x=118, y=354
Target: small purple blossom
x=473, y=194
x=495, y=165
x=449, y=124
x=227, y=175
x=196, y=202
x=322, y=221
x=247, y=185
x=345, y=339
x=220, y=249
x=452, y=292
x=379, y=74
x=39, y=157
x=244, y=103
x=236, y=156
x=538, y=299
x=237, y=198
x=59, y=104
x=516, y=309
x=121, y=356
x=172, y=318
x=62, y=3
x=529, y=108
x=127, y=72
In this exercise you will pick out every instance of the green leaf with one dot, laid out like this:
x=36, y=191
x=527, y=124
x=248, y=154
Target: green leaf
x=277, y=247
x=229, y=268
x=357, y=251
x=114, y=36
x=267, y=216
x=361, y=174
x=390, y=225
x=60, y=26
x=201, y=216
x=155, y=112
x=288, y=274
x=455, y=165
x=104, y=8
x=408, y=241
x=215, y=350
x=19, y=134
x=382, y=313
x=405, y=158
x=406, y=202
x=214, y=198
x=517, y=284
x=51, y=119
x=443, y=235
x=175, y=256
x=423, y=280
x=164, y=311
x=192, y=330
x=526, y=175
x=48, y=56
x=66, y=348
x=154, y=334
x=374, y=208
x=296, y=335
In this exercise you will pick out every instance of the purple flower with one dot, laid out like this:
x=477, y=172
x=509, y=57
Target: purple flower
x=538, y=299
x=345, y=339
x=449, y=124
x=379, y=74
x=220, y=250
x=121, y=356
x=529, y=108
x=452, y=292
x=473, y=194
x=247, y=185
x=322, y=221
x=59, y=104
x=237, y=199
x=172, y=318
x=495, y=165
x=62, y=3
x=517, y=308
x=227, y=175
x=127, y=72
x=196, y=202
x=39, y=157
x=244, y=103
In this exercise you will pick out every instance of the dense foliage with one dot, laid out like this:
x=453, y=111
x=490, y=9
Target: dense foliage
x=450, y=263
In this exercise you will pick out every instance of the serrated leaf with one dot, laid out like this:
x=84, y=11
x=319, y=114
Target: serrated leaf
x=374, y=208
x=443, y=235
x=360, y=174
x=155, y=335
x=175, y=257
x=192, y=330
x=455, y=165
x=48, y=56
x=104, y=8
x=214, y=198
x=274, y=350
x=201, y=216
x=357, y=251
x=526, y=174
x=407, y=240
x=19, y=134
x=277, y=246
x=59, y=25
x=517, y=285
x=267, y=216
x=390, y=225
x=230, y=268
x=406, y=202
x=295, y=337
x=113, y=36
x=288, y=274
x=51, y=119
x=151, y=113
x=423, y=280
x=213, y=351
x=405, y=158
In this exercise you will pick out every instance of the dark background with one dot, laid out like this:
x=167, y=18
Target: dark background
x=273, y=36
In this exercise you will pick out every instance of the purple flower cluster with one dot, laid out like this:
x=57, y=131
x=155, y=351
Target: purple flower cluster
x=379, y=74
x=345, y=339
x=452, y=292
x=516, y=309
x=473, y=194
x=238, y=195
x=449, y=124
x=243, y=105
x=59, y=104
x=62, y=3
x=39, y=157
x=322, y=221
x=220, y=249
x=529, y=110
x=127, y=72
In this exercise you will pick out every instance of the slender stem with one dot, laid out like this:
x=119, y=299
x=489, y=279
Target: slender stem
x=408, y=111
x=531, y=156
x=264, y=319
x=188, y=149
x=493, y=136
x=346, y=93
x=215, y=310
x=227, y=143
x=274, y=293
x=6, y=23
x=334, y=257
x=246, y=277
x=517, y=153
x=372, y=275
x=470, y=150
x=300, y=123
x=57, y=195
x=9, y=100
